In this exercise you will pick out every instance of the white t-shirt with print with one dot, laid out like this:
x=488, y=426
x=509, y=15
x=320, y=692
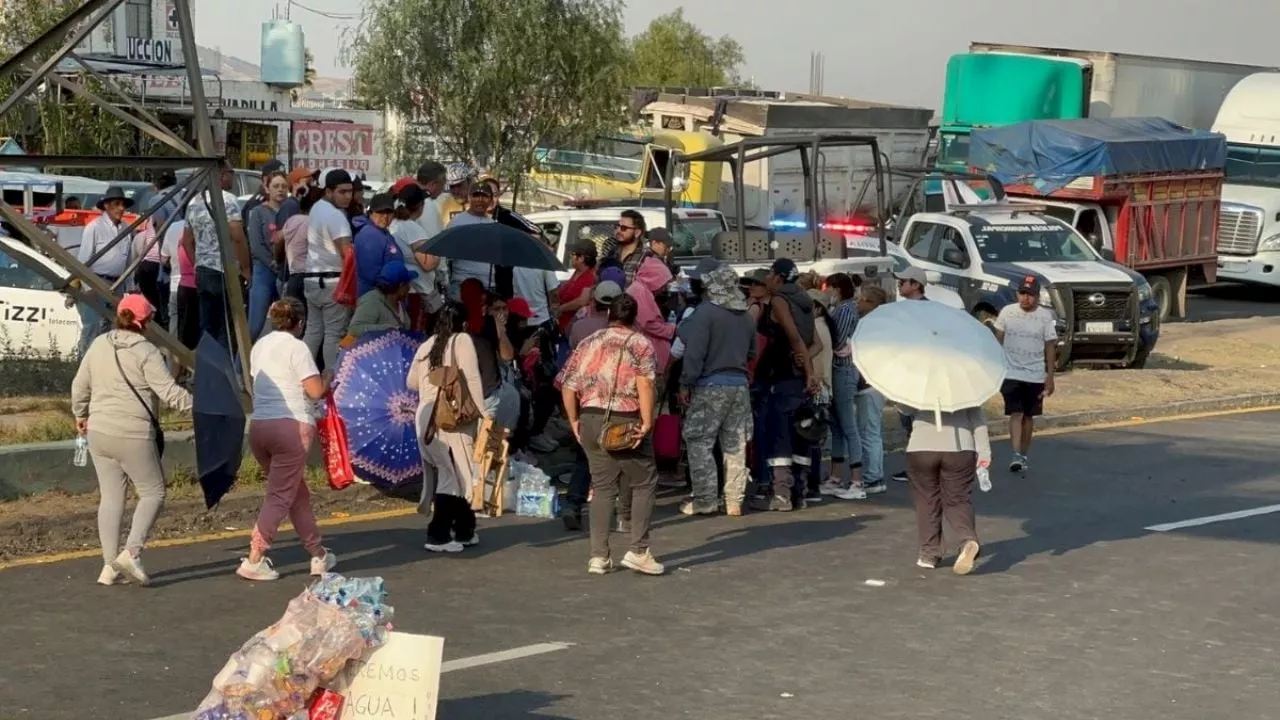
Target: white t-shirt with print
x=279, y=363
x=327, y=224
x=200, y=220
x=535, y=286
x=1025, y=335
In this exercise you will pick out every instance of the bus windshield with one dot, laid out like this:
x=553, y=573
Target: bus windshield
x=1032, y=242
x=1253, y=165
x=613, y=160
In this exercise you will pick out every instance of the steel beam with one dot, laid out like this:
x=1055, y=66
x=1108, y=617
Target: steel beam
x=107, y=161
x=106, y=7
x=135, y=106
x=204, y=140
x=84, y=93
x=132, y=227
x=195, y=183
x=92, y=290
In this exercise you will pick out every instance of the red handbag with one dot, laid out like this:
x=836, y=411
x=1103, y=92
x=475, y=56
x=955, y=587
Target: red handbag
x=345, y=292
x=333, y=444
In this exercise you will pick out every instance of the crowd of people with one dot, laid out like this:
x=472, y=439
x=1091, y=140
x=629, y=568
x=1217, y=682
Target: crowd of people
x=749, y=379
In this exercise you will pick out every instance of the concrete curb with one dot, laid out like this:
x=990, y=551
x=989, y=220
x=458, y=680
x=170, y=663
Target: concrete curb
x=42, y=467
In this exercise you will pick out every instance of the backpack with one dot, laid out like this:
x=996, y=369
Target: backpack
x=454, y=405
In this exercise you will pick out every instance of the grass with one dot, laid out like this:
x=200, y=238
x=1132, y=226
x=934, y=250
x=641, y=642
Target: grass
x=183, y=483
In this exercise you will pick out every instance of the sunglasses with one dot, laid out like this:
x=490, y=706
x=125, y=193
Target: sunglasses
x=620, y=226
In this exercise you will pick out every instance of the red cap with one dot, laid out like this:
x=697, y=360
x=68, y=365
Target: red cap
x=138, y=306
x=403, y=183
x=519, y=307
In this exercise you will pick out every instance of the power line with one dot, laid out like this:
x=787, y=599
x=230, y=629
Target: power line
x=323, y=13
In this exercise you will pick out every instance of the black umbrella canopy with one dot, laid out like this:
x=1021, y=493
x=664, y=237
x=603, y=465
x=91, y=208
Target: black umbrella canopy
x=219, y=420
x=493, y=243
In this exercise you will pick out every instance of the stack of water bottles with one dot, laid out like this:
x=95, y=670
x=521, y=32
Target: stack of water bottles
x=536, y=496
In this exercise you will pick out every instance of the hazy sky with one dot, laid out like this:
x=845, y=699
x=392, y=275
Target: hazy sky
x=892, y=51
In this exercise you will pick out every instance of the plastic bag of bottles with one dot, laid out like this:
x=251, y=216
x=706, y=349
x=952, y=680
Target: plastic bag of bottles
x=536, y=496
x=275, y=673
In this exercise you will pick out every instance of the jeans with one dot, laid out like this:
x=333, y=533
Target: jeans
x=327, y=320
x=264, y=291
x=148, y=277
x=579, y=481
x=211, y=289
x=92, y=324
x=871, y=433
x=784, y=450
x=845, y=443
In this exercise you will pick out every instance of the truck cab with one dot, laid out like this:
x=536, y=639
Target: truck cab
x=1105, y=313
x=1249, y=221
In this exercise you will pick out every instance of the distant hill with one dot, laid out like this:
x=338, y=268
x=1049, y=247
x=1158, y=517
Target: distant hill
x=230, y=67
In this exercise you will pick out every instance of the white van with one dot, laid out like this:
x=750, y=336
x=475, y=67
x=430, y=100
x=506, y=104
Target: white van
x=34, y=318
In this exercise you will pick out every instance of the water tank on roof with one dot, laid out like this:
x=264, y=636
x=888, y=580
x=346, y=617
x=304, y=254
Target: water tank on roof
x=284, y=51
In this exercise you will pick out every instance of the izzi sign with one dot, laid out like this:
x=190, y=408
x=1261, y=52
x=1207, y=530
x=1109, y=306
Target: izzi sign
x=150, y=50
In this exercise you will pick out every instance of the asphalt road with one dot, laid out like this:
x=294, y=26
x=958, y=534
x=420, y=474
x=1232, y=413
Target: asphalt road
x=1225, y=301
x=1076, y=610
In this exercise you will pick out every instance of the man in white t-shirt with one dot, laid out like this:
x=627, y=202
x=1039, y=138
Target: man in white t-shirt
x=538, y=288
x=1029, y=335
x=328, y=242
x=462, y=270
x=201, y=241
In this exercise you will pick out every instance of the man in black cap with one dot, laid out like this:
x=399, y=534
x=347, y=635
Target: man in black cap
x=1029, y=335
x=259, y=197
x=328, y=242
x=786, y=369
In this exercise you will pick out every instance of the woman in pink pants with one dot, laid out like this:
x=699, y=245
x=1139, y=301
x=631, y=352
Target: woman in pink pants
x=286, y=385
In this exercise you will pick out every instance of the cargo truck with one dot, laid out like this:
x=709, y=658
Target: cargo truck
x=1249, y=229
x=1144, y=192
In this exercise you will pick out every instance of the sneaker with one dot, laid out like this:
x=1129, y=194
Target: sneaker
x=109, y=576
x=733, y=509
x=323, y=564
x=643, y=564
x=543, y=444
x=261, y=571
x=901, y=476
x=780, y=504
x=600, y=566
x=968, y=556
x=852, y=492
x=571, y=516
x=814, y=496
x=875, y=488
x=624, y=526
x=453, y=546
x=763, y=503
x=830, y=487
x=926, y=563
x=1018, y=463
x=126, y=564
x=473, y=541
x=695, y=507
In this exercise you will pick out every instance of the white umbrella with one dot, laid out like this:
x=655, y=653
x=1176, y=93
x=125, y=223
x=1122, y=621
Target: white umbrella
x=928, y=356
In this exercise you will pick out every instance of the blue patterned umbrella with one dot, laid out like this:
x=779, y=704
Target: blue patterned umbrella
x=378, y=407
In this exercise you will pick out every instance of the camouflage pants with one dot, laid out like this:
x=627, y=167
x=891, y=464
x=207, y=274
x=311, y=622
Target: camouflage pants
x=724, y=414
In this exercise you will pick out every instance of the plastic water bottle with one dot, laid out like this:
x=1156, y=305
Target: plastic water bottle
x=81, y=456
x=984, y=479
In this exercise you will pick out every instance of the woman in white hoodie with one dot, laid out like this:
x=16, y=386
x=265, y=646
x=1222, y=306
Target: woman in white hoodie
x=116, y=398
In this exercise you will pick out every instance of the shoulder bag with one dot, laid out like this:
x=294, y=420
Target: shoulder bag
x=454, y=406
x=620, y=435
x=155, y=421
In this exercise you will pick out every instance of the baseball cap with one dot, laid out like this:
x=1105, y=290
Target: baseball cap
x=403, y=183
x=333, y=177
x=394, y=272
x=409, y=195
x=519, y=307
x=482, y=189
x=704, y=266
x=912, y=273
x=382, y=202
x=660, y=235
x=756, y=276
x=606, y=292
x=271, y=166
x=786, y=269
x=138, y=305
x=458, y=173
x=1029, y=284
x=299, y=174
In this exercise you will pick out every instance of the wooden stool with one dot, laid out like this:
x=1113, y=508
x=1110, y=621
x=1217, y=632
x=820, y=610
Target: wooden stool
x=492, y=457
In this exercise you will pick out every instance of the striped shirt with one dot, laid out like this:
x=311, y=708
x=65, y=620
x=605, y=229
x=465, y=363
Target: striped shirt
x=845, y=317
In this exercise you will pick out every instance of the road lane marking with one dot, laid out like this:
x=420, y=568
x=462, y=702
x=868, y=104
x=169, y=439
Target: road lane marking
x=468, y=662
x=405, y=512
x=1224, y=517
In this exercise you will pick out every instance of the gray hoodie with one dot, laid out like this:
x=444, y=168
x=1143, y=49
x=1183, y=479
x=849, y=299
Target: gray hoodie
x=100, y=394
x=716, y=340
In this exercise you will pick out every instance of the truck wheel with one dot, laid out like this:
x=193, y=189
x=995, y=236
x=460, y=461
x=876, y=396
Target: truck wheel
x=1162, y=293
x=986, y=317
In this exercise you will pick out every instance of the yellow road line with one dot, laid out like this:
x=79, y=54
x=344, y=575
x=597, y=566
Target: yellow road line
x=403, y=512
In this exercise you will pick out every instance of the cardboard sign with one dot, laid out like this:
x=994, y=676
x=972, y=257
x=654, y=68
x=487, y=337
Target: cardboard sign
x=399, y=680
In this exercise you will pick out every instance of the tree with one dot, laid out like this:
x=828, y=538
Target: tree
x=309, y=75
x=673, y=52
x=50, y=121
x=493, y=80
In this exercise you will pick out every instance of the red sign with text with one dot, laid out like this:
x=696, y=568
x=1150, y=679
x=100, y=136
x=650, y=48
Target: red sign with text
x=321, y=145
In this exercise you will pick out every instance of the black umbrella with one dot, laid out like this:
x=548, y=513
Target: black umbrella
x=492, y=243
x=219, y=420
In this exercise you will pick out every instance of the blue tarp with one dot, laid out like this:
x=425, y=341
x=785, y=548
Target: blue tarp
x=1048, y=154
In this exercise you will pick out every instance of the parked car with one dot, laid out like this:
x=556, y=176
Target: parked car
x=34, y=317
